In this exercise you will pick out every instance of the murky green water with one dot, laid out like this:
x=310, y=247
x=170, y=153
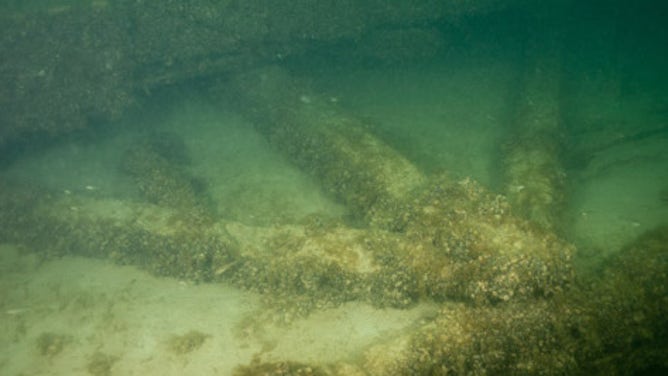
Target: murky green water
x=560, y=107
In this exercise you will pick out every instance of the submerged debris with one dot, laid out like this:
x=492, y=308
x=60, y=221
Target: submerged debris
x=187, y=342
x=100, y=364
x=157, y=165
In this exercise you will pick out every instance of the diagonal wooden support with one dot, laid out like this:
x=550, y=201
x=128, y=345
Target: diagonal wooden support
x=457, y=231
x=350, y=163
x=534, y=178
x=319, y=263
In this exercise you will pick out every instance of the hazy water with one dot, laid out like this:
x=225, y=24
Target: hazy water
x=446, y=104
